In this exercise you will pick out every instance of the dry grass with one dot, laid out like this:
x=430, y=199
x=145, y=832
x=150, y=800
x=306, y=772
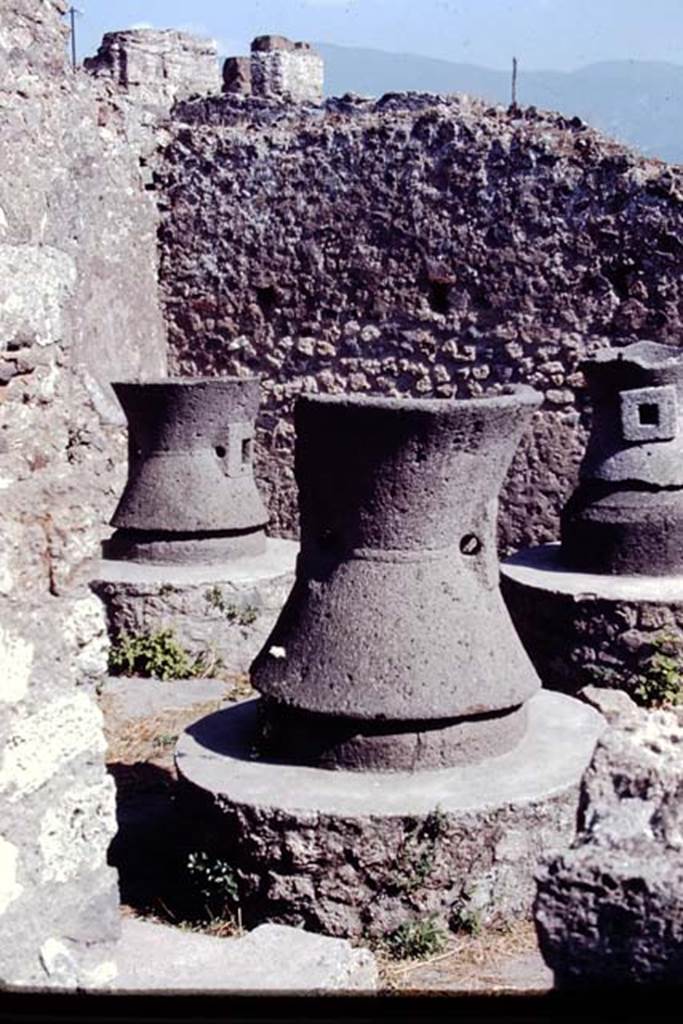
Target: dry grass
x=218, y=928
x=150, y=739
x=153, y=737
x=465, y=955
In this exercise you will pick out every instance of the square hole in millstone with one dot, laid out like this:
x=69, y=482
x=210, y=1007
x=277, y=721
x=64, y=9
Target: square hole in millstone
x=648, y=414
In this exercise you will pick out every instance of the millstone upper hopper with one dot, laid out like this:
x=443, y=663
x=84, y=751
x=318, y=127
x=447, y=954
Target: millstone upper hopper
x=190, y=494
x=626, y=516
x=394, y=649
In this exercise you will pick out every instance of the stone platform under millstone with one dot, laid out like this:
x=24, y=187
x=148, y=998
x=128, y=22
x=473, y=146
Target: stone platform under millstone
x=351, y=853
x=583, y=628
x=228, y=609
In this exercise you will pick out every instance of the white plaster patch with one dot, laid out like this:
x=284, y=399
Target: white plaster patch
x=16, y=661
x=100, y=976
x=85, y=632
x=34, y=282
x=6, y=578
x=9, y=887
x=76, y=832
x=41, y=744
x=58, y=963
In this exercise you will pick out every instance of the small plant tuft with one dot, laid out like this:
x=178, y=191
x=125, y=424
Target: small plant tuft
x=465, y=918
x=165, y=739
x=214, y=881
x=656, y=682
x=242, y=615
x=415, y=940
x=418, y=853
x=157, y=655
x=661, y=679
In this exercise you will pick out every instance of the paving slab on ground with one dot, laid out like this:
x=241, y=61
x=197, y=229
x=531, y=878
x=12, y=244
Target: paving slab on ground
x=137, y=697
x=272, y=958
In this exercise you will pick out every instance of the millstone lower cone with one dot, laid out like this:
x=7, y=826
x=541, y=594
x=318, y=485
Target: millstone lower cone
x=190, y=493
x=394, y=649
x=626, y=516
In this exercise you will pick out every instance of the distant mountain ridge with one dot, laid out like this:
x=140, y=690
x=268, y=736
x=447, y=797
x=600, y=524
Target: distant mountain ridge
x=639, y=103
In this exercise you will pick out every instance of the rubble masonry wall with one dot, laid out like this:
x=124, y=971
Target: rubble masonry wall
x=78, y=307
x=422, y=245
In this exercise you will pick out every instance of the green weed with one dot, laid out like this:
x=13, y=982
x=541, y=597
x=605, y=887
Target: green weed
x=158, y=655
x=415, y=940
x=243, y=616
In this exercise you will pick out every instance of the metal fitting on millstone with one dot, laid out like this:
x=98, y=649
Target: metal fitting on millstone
x=394, y=649
x=190, y=495
x=626, y=516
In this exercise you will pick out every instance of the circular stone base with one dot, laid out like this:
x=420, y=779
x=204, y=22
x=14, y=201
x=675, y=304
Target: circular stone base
x=151, y=548
x=325, y=741
x=349, y=853
x=607, y=528
x=227, y=610
x=582, y=628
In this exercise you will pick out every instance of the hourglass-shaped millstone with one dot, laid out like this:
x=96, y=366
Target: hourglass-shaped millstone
x=626, y=516
x=190, y=495
x=394, y=649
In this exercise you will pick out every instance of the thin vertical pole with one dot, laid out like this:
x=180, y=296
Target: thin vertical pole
x=72, y=15
x=514, y=81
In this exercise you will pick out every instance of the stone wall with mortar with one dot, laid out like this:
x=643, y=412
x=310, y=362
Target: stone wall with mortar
x=581, y=639
x=78, y=307
x=157, y=66
x=417, y=245
x=280, y=67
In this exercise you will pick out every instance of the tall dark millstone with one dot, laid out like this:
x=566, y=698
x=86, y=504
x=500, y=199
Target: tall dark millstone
x=402, y=758
x=190, y=494
x=394, y=649
x=626, y=517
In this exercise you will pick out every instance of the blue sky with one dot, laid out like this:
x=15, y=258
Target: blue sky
x=543, y=34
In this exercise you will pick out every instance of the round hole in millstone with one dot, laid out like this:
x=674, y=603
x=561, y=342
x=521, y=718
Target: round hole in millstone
x=470, y=544
x=221, y=451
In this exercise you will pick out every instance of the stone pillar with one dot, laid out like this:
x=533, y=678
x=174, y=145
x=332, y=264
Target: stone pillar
x=157, y=66
x=605, y=605
x=401, y=761
x=190, y=550
x=237, y=75
x=280, y=67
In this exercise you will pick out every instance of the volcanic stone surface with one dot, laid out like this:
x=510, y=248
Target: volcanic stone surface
x=626, y=516
x=349, y=853
x=396, y=616
x=582, y=628
x=190, y=494
x=413, y=245
x=610, y=909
